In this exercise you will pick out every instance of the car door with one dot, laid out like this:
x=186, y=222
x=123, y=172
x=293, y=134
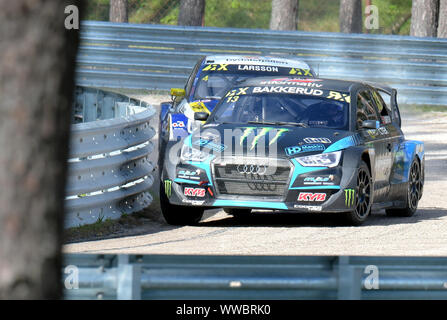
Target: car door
x=378, y=139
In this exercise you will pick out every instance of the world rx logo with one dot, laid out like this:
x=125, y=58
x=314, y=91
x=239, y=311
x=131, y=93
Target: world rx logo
x=290, y=151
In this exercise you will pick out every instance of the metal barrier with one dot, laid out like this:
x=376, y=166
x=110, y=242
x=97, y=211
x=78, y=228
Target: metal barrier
x=160, y=56
x=109, y=173
x=253, y=277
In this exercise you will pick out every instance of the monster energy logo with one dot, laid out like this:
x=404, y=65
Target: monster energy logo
x=168, y=188
x=263, y=132
x=349, y=197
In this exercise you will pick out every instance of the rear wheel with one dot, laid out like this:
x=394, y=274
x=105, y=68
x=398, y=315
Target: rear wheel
x=178, y=215
x=414, y=193
x=238, y=213
x=363, y=197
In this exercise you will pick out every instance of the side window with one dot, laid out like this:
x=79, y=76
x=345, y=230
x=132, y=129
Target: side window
x=191, y=78
x=365, y=108
x=384, y=111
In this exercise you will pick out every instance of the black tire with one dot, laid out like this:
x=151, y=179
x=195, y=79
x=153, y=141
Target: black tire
x=238, y=213
x=363, y=197
x=413, y=194
x=178, y=215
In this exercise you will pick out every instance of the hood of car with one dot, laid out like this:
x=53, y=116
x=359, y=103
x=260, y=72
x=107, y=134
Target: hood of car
x=271, y=141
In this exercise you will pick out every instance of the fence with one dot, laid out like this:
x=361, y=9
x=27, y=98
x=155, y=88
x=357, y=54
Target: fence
x=254, y=277
x=109, y=173
x=160, y=57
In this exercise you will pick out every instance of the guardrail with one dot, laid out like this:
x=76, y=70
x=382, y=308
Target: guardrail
x=160, y=56
x=109, y=172
x=253, y=277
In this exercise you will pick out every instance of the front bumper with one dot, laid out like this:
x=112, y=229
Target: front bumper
x=309, y=189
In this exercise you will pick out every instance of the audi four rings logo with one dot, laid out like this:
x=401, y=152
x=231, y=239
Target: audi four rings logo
x=251, y=168
x=262, y=184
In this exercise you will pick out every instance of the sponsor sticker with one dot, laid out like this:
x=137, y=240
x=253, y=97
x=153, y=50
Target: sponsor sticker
x=168, y=188
x=210, y=145
x=317, y=140
x=308, y=208
x=291, y=151
x=319, y=180
x=349, y=197
x=194, y=202
x=194, y=192
x=309, y=196
x=189, y=174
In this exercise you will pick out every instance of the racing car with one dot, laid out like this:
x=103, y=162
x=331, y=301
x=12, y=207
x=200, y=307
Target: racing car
x=295, y=144
x=210, y=78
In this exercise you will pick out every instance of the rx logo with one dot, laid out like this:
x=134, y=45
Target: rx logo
x=216, y=67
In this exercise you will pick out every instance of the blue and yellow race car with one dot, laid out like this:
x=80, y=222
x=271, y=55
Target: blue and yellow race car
x=295, y=144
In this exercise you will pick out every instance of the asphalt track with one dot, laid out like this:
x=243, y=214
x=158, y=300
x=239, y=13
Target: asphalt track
x=267, y=233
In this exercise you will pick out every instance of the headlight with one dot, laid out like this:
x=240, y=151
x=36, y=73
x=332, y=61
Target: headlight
x=321, y=160
x=191, y=154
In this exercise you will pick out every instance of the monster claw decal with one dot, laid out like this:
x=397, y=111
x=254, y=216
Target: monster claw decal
x=264, y=131
x=349, y=197
x=168, y=188
x=246, y=133
x=278, y=134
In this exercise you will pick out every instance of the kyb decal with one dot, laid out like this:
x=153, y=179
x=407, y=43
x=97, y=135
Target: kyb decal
x=291, y=151
x=194, y=192
x=349, y=197
x=309, y=196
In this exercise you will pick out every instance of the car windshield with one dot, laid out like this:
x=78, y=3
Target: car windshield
x=285, y=109
x=213, y=85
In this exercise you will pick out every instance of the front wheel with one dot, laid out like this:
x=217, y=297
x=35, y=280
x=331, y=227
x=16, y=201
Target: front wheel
x=178, y=215
x=414, y=193
x=362, y=197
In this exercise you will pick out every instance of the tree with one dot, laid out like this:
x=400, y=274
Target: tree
x=191, y=13
x=284, y=15
x=118, y=11
x=442, y=23
x=37, y=64
x=424, y=18
x=350, y=16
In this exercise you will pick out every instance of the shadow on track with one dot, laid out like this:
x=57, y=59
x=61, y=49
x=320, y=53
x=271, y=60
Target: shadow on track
x=280, y=219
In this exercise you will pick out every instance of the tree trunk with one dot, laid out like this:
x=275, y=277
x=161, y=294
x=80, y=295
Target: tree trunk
x=118, y=11
x=284, y=15
x=37, y=64
x=191, y=13
x=350, y=16
x=424, y=18
x=442, y=23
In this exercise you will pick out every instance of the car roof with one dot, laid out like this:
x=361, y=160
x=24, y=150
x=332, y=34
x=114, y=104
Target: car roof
x=288, y=62
x=284, y=81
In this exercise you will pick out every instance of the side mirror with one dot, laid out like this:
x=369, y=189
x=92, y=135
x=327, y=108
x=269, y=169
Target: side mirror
x=177, y=92
x=201, y=116
x=370, y=124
